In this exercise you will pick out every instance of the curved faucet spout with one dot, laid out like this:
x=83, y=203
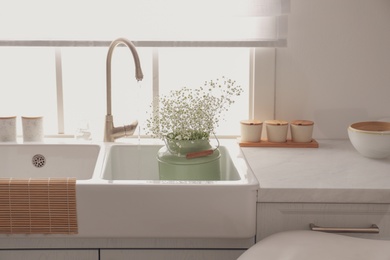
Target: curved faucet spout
x=111, y=132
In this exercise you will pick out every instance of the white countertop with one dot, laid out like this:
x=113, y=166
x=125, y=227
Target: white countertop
x=333, y=173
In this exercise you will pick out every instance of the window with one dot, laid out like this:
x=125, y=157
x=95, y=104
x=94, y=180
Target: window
x=52, y=59
x=28, y=83
x=192, y=66
x=84, y=86
x=30, y=86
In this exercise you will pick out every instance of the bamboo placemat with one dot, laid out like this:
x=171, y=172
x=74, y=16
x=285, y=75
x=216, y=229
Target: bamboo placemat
x=38, y=206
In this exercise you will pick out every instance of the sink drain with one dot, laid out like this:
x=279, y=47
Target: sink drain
x=38, y=160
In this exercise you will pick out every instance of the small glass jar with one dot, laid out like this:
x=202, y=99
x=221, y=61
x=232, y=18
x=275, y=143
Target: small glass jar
x=301, y=131
x=276, y=130
x=251, y=130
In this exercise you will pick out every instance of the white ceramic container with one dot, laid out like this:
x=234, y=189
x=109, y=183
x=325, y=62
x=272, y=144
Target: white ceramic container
x=251, y=130
x=8, y=129
x=32, y=129
x=371, y=139
x=276, y=130
x=301, y=131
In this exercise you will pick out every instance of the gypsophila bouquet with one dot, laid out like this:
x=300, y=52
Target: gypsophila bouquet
x=192, y=113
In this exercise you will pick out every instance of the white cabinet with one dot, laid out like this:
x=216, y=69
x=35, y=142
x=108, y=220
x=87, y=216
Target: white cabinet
x=49, y=254
x=277, y=217
x=169, y=254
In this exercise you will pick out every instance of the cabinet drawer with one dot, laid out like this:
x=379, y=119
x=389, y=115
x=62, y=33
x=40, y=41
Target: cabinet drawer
x=277, y=217
x=49, y=254
x=171, y=254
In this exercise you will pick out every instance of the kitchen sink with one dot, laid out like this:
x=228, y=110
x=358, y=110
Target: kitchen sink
x=119, y=193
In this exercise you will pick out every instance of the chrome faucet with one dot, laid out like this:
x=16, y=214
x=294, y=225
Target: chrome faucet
x=110, y=132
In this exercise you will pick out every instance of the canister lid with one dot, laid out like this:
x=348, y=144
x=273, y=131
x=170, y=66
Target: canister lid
x=251, y=122
x=276, y=122
x=302, y=122
x=32, y=117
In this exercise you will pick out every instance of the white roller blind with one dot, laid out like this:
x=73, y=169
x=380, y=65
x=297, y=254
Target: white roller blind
x=146, y=22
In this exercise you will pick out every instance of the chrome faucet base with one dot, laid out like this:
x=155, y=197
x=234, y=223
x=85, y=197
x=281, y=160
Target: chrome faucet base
x=111, y=132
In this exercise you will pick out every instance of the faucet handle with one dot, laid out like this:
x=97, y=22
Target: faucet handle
x=130, y=129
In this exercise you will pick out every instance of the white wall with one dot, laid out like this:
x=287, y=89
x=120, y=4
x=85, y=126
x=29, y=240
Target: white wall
x=336, y=68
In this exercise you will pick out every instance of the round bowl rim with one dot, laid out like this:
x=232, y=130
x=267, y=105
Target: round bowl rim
x=386, y=125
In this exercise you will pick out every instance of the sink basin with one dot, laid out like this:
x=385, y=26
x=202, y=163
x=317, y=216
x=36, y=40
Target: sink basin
x=48, y=160
x=131, y=201
x=140, y=163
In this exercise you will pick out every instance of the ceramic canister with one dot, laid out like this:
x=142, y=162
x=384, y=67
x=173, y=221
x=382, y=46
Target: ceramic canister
x=32, y=129
x=276, y=130
x=301, y=131
x=251, y=130
x=8, y=129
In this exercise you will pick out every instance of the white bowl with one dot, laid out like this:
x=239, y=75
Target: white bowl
x=371, y=139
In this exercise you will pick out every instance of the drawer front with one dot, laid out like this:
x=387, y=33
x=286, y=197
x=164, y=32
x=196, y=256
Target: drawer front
x=171, y=254
x=277, y=217
x=49, y=254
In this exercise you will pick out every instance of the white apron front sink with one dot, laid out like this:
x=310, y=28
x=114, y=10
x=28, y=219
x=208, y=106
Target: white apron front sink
x=119, y=193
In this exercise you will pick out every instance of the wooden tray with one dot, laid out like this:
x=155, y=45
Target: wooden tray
x=289, y=143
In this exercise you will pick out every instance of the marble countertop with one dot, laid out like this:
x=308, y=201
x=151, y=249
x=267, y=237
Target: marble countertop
x=333, y=173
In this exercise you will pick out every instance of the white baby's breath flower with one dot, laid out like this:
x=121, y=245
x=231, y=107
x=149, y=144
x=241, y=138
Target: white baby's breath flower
x=192, y=114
